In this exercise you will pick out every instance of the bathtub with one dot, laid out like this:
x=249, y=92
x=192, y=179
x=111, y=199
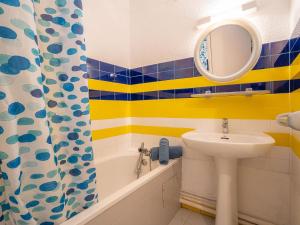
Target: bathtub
x=152, y=199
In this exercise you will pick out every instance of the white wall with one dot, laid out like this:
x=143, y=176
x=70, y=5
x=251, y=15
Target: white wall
x=295, y=13
x=165, y=30
x=133, y=33
x=107, y=30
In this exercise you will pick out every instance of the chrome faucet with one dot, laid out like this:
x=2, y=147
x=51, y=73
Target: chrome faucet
x=141, y=161
x=225, y=126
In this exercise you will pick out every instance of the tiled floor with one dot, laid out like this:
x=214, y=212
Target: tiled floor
x=187, y=217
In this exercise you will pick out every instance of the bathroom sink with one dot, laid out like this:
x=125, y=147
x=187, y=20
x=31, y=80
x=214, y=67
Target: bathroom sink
x=227, y=148
x=230, y=145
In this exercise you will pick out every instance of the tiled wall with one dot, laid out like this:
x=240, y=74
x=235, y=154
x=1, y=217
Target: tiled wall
x=264, y=189
x=273, y=55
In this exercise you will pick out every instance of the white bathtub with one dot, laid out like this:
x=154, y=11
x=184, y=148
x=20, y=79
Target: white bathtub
x=118, y=185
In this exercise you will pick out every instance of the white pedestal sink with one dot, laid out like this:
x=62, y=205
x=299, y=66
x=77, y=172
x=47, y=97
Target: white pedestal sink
x=227, y=149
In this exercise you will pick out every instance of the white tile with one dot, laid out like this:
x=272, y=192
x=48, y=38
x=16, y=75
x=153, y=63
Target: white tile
x=278, y=165
x=267, y=164
x=108, y=123
x=254, y=163
x=237, y=125
x=109, y=146
x=199, y=178
x=203, y=124
x=264, y=194
x=279, y=152
x=275, y=127
x=151, y=140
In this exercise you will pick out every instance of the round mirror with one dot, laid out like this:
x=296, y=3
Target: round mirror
x=226, y=51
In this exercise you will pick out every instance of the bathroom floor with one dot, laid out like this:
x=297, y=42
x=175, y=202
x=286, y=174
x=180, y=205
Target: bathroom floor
x=187, y=217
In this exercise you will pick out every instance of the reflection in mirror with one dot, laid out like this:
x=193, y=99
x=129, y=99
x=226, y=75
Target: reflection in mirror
x=226, y=50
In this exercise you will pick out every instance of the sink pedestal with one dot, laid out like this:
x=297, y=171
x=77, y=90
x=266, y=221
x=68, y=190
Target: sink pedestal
x=226, y=152
x=227, y=213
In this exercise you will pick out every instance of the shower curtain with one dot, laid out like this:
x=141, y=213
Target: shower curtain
x=46, y=158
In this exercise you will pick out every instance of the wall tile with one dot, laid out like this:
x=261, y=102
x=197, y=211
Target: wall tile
x=184, y=73
x=196, y=72
x=93, y=73
x=293, y=56
x=121, y=70
x=280, y=60
x=184, y=93
x=136, y=96
x=166, y=75
x=92, y=63
x=184, y=63
x=202, y=90
x=295, y=85
x=106, y=76
x=150, y=77
x=281, y=86
x=166, y=66
x=166, y=94
x=296, y=46
x=107, y=95
x=266, y=49
x=279, y=47
x=257, y=86
x=121, y=96
x=228, y=88
x=292, y=43
x=263, y=63
x=107, y=67
x=150, y=95
x=136, y=80
x=121, y=79
x=94, y=94
x=150, y=69
x=136, y=72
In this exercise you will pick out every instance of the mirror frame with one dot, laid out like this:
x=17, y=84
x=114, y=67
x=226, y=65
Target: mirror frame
x=257, y=46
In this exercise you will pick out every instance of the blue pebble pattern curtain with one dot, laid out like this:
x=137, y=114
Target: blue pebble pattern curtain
x=46, y=159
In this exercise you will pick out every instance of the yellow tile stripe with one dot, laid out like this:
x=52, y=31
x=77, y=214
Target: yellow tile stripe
x=110, y=132
x=295, y=101
x=295, y=144
x=265, y=75
x=235, y=107
x=108, y=86
x=295, y=68
x=281, y=139
x=109, y=109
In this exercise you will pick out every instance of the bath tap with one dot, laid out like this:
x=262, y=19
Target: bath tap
x=141, y=161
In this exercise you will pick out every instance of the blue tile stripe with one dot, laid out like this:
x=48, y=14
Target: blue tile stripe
x=99, y=70
x=275, y=54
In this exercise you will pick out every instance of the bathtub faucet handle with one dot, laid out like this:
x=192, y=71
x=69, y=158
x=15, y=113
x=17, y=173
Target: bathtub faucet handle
x=142, y=147
x=144, y=150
